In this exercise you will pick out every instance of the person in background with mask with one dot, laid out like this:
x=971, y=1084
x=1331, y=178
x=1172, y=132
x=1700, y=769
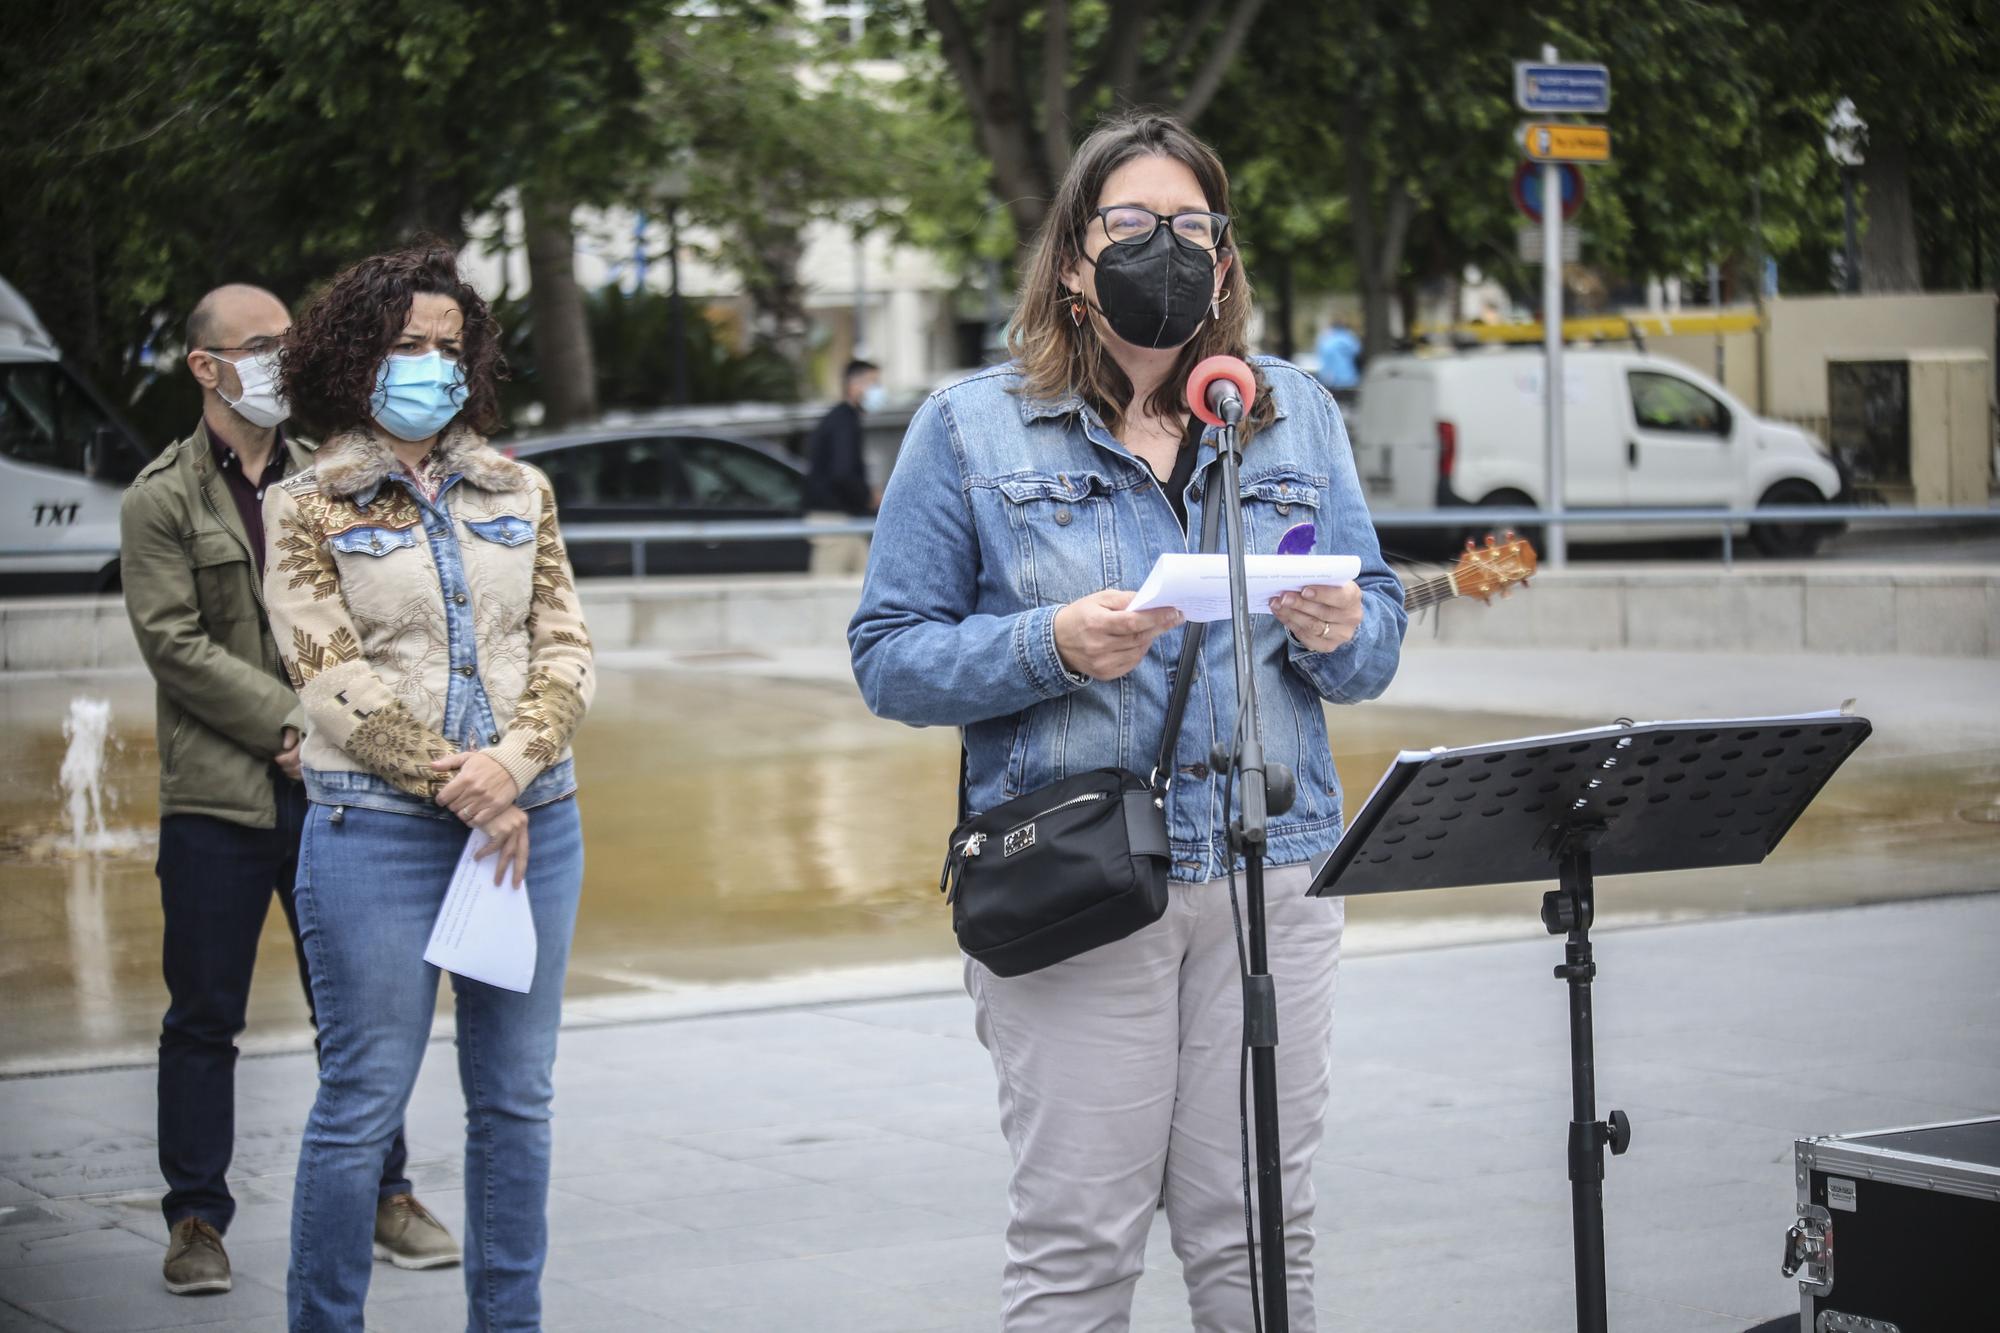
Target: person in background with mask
x=1026, y=503
x=1339, y=352
x=426, y=612
x=837, y=485
x=231, y=804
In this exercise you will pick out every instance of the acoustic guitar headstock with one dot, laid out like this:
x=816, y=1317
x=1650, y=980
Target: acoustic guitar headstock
x=1493, y=568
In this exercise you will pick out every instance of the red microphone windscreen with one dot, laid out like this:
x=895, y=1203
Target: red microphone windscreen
x=1219, y=368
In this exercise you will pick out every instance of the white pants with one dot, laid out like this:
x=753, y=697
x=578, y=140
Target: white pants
x=1118, y=1087
x=840, y=555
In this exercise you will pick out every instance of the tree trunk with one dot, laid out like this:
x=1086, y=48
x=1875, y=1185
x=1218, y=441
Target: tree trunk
x=778, y=318
x=563, y=359
x=1378, y=242
x=1286, y=348
x=1889, y=241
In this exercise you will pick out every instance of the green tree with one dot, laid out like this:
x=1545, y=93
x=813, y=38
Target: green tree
x=778, y=130
x=165, y=147
x=1925, y=77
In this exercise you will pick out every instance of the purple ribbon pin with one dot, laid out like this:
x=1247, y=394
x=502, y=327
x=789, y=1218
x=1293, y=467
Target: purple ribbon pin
x=1298, y=540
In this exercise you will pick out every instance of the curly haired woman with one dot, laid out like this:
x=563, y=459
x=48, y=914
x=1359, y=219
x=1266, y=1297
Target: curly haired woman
x=422, y=598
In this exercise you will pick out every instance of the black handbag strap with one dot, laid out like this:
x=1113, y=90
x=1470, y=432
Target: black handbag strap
x=1211, y=514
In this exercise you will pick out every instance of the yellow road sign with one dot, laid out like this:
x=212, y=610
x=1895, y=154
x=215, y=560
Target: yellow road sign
x=1602, y=328
x=1546, y=142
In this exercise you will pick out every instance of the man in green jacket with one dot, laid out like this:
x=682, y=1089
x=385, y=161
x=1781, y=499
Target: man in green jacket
x=231, y=803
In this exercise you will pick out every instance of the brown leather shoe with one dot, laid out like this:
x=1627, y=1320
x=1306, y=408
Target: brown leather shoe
x=196, y=1262
x=409, y=1237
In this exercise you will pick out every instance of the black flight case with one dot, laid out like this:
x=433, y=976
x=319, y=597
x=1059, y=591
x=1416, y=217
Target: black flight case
x=1899, y=1230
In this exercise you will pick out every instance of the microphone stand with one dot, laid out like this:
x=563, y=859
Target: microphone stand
x=1266, y=790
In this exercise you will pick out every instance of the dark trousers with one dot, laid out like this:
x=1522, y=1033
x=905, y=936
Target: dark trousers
x=216, y=884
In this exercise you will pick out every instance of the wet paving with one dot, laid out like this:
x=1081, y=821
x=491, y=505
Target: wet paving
x=742, y=827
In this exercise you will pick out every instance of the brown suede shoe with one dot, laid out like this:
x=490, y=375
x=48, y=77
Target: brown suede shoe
x=196, y=1262
x=409, y=1237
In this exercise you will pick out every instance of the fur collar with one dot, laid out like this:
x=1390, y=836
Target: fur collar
x=357, y=461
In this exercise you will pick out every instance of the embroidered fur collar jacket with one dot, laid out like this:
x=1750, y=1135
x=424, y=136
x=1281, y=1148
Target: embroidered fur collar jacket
x=414, y=628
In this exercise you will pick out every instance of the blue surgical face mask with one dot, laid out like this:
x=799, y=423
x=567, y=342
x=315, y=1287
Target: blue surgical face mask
x=874, y=398
x=417, y=396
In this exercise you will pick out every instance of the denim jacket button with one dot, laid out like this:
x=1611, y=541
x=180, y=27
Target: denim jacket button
x=1062, y=518
x=1284, y=510
x=465, y=670
x=492, y=738
x=458, y=597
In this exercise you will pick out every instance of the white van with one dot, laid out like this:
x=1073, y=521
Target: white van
x=1640, y=431
x=65, y=459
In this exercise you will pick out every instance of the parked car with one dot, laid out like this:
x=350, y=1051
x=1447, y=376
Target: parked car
x=637, y=472
x=65, y=459
x=1640, y=431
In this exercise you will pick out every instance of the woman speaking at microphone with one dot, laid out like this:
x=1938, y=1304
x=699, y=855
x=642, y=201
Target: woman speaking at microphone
x=1027, y=503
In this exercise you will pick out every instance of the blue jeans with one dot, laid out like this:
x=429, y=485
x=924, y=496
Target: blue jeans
x=370, y=884
x=217, y=880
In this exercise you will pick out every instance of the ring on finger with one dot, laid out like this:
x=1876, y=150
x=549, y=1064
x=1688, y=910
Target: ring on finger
x=1326, y=629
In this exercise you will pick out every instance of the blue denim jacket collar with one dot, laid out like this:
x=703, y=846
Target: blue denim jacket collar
x=1042, y=409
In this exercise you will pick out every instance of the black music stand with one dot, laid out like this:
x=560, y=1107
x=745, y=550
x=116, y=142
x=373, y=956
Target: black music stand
x=1612, y=800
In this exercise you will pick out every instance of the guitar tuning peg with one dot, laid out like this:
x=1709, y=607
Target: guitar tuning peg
x=1492, y=542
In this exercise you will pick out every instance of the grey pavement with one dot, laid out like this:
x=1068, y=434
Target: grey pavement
x=837, y=1167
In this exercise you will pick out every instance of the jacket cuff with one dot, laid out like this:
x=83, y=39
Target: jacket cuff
x=512, y=754
x=1035, y=650
x=296, y=720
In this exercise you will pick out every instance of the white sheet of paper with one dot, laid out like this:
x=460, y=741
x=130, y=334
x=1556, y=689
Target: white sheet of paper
x=1198, y=585
x=483, y=932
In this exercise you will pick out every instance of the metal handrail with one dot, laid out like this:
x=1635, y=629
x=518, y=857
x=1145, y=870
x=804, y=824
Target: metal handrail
x=638, y=535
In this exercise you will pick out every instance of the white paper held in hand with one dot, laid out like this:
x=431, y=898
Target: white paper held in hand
x=483, y=931
x=1198, y=585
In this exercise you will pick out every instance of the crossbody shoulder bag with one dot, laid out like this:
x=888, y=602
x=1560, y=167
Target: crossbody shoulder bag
x=1079, y=863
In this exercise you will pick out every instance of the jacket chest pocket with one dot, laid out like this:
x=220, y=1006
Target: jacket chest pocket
x=499, y=554
x=381, y=570
x=1276, y=501
x=1063, y=535
x=224, y=578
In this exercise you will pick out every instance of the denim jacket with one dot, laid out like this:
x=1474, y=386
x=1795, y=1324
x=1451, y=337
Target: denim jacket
x=1003, y=508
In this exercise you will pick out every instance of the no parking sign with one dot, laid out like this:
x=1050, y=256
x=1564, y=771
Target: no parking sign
x=1528, y=189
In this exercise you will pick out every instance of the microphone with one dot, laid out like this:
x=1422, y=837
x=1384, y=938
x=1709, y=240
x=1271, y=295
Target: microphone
x=1220, y=390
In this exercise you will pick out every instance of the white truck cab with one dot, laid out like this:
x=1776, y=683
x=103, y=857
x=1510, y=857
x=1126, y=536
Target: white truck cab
x=1640, y=432
x=65, y=459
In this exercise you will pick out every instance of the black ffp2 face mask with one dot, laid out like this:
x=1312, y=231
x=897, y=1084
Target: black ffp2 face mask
x=1155, y=294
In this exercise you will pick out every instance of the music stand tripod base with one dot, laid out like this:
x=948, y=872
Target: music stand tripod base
x=1613, y=800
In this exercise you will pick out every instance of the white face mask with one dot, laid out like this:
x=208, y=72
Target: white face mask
x=874, y=398
x=261, y=404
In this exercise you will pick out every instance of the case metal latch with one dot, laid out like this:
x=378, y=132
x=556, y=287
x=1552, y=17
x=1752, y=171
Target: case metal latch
x=1809, y=1250
x=1833, y=1321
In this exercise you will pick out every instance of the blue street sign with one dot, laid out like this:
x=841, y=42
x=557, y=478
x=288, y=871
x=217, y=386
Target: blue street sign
x=1580, y=89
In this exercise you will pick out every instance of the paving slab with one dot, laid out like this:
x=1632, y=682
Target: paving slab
x=838, y=1166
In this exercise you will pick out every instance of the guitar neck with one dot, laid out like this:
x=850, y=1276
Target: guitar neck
x=1429, y=592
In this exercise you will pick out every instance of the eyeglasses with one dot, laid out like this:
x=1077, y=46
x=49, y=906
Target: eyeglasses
x=1129, y=224
x=256, y=346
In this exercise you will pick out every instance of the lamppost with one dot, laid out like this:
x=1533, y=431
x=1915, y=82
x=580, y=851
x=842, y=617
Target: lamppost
x=1846, y=132
x=672, y=188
